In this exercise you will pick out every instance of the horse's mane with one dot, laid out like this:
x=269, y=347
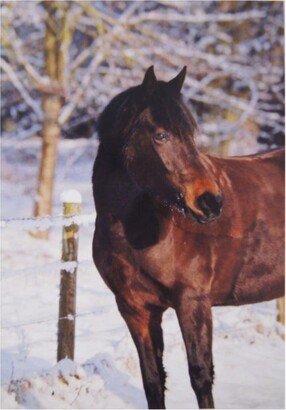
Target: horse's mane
x=116, y=115
x=121, y=114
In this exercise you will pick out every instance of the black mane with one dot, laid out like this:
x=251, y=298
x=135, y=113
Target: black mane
x=166, y=107
x=117, y=115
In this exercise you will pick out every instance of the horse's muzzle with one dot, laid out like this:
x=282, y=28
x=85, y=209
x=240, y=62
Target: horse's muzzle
x=210, y=206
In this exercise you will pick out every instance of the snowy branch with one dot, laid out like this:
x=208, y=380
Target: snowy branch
x=198, y=18
x=234, y=56
x=19, y=86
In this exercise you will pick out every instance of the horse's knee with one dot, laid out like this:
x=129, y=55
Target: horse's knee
x=202, y=377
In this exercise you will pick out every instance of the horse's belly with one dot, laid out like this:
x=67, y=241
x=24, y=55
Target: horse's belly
x=262, y=273
x=259, y=283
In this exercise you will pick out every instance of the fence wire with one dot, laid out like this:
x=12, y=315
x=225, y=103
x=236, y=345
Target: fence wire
x=53, y=319
x=47, y=268
x=44, y=223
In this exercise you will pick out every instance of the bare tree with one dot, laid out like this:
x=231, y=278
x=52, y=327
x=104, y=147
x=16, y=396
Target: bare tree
x=47, y=84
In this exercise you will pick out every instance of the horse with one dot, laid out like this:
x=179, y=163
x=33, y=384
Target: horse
x=177, y=228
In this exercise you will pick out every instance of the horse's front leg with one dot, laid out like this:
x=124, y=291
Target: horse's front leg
x=146, y=331
x=195, y=319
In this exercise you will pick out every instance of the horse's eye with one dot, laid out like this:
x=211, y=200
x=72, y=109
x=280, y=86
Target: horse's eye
x=161, y=137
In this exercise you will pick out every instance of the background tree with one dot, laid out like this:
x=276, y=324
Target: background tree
x=54, y=40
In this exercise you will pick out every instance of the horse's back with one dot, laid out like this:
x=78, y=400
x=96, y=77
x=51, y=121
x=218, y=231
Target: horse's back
x=258, y=174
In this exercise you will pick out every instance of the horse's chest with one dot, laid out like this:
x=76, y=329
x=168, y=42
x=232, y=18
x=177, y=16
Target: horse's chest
x=175, y=259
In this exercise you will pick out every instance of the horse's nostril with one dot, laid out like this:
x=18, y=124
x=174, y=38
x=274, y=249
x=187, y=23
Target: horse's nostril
x=210, y=204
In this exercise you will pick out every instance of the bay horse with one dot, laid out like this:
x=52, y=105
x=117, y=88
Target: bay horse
x=178, y=228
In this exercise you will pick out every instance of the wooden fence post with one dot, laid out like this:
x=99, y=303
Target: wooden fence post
x=67, y=305
x=281, y=310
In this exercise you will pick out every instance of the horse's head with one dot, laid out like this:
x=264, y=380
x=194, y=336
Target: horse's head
x=150, y=130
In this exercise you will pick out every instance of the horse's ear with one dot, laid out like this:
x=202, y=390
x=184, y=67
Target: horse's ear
x=149, y=79
x=177, y=83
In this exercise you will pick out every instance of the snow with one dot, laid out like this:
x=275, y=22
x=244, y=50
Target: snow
x=71, y=196
x=248, y=348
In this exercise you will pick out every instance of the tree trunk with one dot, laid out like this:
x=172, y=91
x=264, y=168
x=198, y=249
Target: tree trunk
x=50, y=135
x=51, y=104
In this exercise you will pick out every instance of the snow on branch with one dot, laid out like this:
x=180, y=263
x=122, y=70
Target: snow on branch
x=234, y=53
x=197, y=18
x=20, y=87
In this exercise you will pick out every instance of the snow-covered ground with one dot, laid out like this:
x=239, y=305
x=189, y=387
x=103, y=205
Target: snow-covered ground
x=248, y=352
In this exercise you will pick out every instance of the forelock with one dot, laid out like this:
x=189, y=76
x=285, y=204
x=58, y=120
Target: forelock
x=170, y=112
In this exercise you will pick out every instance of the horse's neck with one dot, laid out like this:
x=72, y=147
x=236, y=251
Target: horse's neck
x=114, y=191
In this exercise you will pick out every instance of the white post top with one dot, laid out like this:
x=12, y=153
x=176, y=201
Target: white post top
x=71, y=196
